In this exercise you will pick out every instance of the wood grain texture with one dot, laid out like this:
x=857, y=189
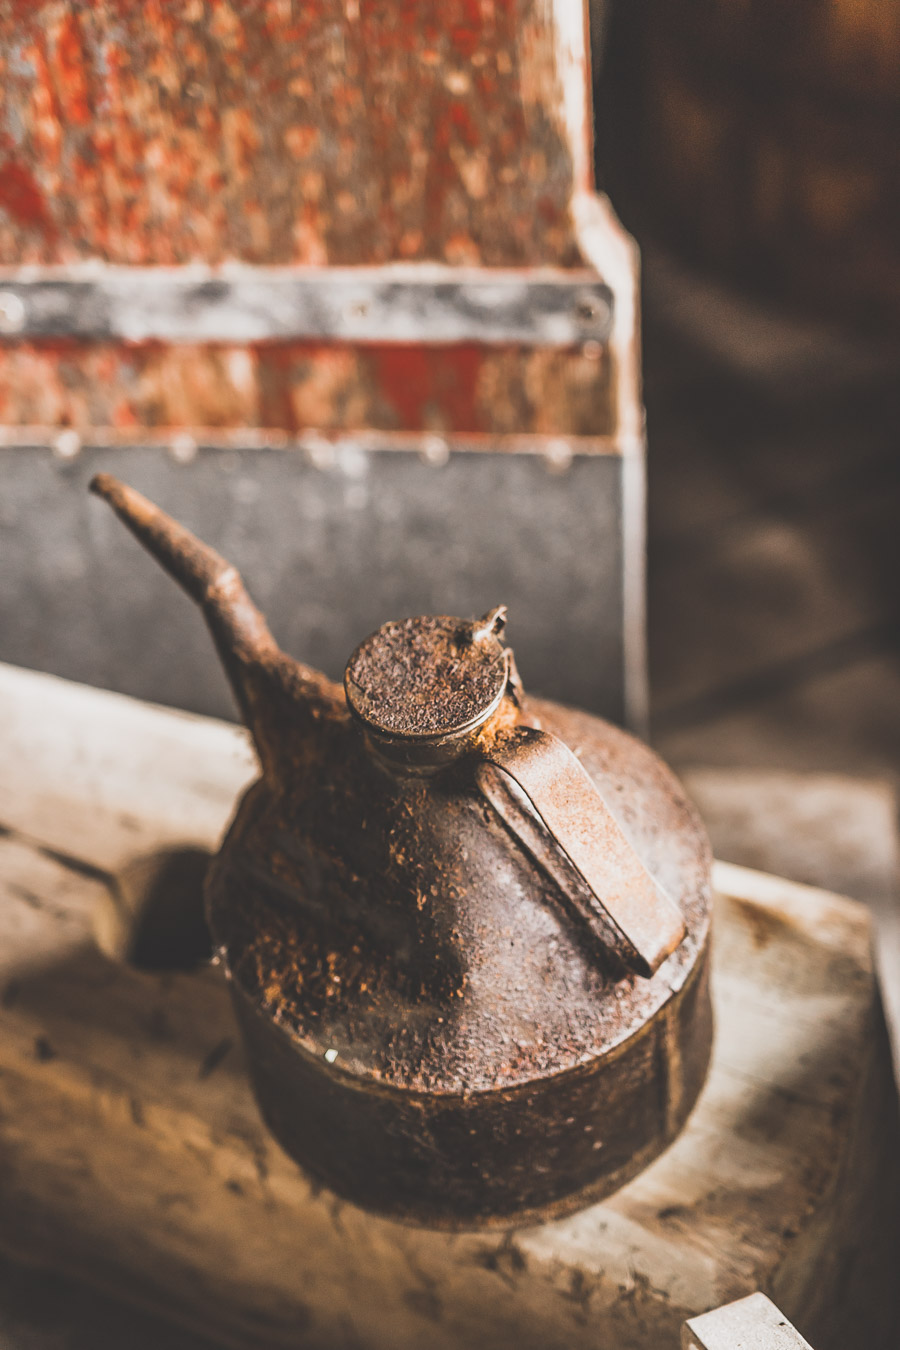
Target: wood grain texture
x=822, y=829
x=131, y=1152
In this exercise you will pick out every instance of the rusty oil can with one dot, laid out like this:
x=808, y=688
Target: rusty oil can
x=466, y=931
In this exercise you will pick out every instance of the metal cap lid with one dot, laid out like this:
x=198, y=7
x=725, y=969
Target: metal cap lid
x=424, y=687
x=428, y=683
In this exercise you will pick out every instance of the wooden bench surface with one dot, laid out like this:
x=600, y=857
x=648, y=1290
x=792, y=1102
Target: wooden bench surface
x=132, y=1154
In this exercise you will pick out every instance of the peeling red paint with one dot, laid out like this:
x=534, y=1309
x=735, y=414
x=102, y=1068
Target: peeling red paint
x=321, y=132
x=21, y=197
x=298, y=386
x=73, y=90
x=156, y=126
x=429, y=394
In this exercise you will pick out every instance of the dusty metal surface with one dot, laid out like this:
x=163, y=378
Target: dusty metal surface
x=428, y=678
x=615, y=896
x=413, y=303
x=398, y=960
x=429, y=690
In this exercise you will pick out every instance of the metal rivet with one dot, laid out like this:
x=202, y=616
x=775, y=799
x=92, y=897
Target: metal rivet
x=558, y=455
x=319, y=451
x=12, y=312
x=591, y=309
x=183, y=448
x=435, y=451
x=67, y=444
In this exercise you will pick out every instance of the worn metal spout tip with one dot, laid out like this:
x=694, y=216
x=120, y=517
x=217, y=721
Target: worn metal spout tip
x=104, y=485
x=194, y=566
x=164, y=537
x=128, y=504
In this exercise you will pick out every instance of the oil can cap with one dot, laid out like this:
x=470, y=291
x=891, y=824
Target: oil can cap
x=423, y=687
x=428, y=681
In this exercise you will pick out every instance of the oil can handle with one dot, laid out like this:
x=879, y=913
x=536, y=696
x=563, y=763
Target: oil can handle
x=544, y=795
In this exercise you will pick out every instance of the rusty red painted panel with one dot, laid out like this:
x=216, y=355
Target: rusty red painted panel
x=341, y=131
x=298, y=386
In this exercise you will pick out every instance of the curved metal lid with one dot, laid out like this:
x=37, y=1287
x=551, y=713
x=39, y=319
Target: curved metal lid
x=426, y=681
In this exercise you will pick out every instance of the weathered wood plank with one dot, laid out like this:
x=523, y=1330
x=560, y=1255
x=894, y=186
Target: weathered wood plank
x=132, y=1153
x=751, y=1323
x=103, y=778
x=822, y=829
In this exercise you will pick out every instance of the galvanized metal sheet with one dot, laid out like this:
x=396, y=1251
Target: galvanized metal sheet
x=332, y=543
x=350, y=304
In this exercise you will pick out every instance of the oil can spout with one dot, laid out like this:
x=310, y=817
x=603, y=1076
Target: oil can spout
x=271, y=688
x=239, y=628
x=198, y=569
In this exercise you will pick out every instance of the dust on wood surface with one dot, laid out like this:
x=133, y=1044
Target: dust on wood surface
x=134, y=1155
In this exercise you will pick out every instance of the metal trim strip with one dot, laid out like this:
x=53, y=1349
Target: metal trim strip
x=428, y=303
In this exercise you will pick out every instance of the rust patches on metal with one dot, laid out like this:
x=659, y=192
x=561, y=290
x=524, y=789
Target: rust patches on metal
x=541, y=791
x=321, y=132
x=300, y=386
x=423, y=1011
x=426, y=677
x=21, y=198
x=424, y=393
